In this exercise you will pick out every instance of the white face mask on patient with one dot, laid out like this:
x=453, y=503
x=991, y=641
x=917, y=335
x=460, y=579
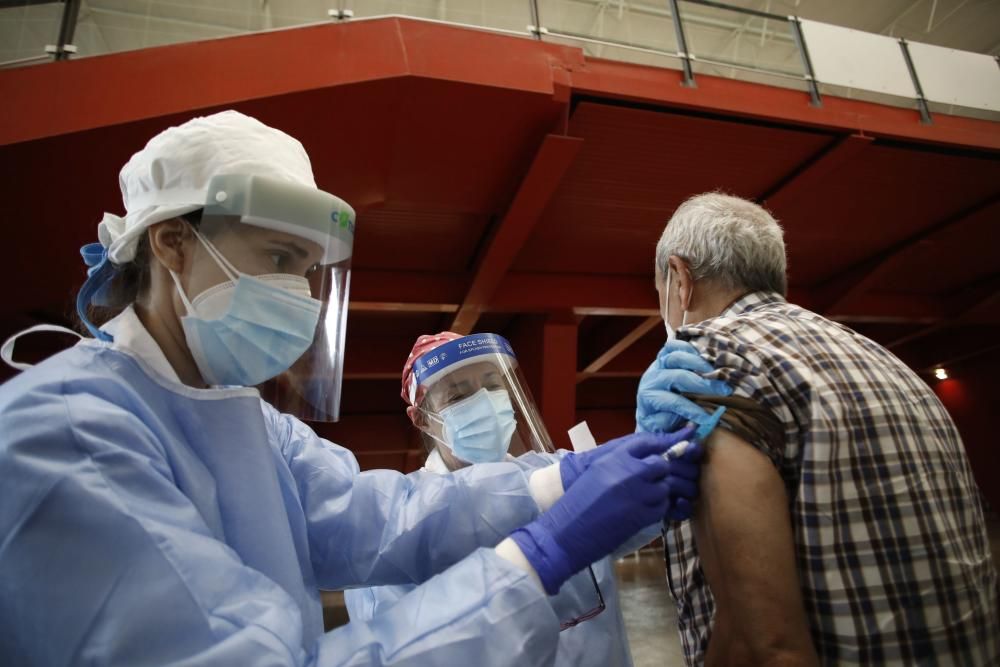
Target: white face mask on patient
x=671, y=333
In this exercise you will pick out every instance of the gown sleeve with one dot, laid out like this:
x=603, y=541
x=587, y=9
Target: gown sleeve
x=104, y=560
x=382, y=527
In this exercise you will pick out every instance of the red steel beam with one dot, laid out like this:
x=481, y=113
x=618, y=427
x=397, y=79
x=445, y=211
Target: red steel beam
x=979, y=298
x=920, y=366
x=949, y=346
x=838, y=292
x=558, y=377
x=436, y=292
x=978, y=302
x=890, y=308
x=965, y=358
x=626, y=341
x=631, y=296
x=547, y=170
x=627, y=373
x=587, y=294
x=401, y=307
x=810, y=175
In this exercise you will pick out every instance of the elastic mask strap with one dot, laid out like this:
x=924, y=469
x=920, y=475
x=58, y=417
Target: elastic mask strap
x=435, y=417
x=684, y=315
x=666, y=314
x=180, y=292
x=434, y=437
x=214, y=253
x=666, y=305
x=231, y=271
x=7, y=349
x=432, y=415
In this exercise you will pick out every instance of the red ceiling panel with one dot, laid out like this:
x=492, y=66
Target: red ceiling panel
x=961, y=255
x=607, y=393
x=400, y=238
x=461, y=145
x=635, y=167
x=884, y=195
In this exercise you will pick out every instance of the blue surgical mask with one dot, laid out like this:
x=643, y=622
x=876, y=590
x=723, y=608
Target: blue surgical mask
x=478, y=428
x=251, y=328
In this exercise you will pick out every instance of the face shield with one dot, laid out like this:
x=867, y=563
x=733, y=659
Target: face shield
x=474, y=404
x=257, y=234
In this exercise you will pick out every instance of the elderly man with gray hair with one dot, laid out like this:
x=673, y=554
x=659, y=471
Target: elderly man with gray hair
x=839, y=522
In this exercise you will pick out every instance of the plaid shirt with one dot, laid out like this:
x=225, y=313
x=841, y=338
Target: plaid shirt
x=893, y=558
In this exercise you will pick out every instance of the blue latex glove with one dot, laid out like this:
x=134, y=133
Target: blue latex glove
x=627, y=489
x=575, y=464
x=677, y=369
x=686, y=456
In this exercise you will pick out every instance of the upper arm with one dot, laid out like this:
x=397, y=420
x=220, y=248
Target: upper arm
x=744, y=537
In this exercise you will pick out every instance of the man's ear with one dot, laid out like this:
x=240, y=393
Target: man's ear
x=680, y=275
x=170, y=243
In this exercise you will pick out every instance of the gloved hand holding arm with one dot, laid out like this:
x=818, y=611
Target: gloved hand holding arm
x=623, y=491
x=677, y=369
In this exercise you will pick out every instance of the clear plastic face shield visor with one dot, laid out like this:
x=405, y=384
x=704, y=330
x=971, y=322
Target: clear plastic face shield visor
x=475, y=407
x=473, y=403
x=294, y=238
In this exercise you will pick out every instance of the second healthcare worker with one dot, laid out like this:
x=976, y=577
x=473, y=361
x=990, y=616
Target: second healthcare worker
x=154, y=510
x=468, y=398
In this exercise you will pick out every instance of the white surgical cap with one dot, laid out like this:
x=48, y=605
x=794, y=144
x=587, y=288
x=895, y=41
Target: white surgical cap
x=170, y=175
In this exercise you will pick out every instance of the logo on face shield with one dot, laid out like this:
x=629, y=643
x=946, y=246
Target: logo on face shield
x=343, y=220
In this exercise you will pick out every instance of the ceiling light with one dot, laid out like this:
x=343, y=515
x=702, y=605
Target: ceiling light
x=940, y=374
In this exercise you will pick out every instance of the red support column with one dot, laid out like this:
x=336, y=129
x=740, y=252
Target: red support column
x=558, y=390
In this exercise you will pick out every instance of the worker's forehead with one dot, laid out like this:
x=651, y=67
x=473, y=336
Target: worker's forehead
x=466, y=380
x=475, y=373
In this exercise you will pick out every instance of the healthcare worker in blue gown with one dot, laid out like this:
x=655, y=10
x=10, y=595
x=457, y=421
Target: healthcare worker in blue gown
x=468, y=398
x=155, y=510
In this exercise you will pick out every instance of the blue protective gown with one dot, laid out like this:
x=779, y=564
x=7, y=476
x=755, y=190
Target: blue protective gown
x=599, y=642
x=146, y=522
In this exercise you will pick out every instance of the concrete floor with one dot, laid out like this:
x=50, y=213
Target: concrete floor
x=650, y=614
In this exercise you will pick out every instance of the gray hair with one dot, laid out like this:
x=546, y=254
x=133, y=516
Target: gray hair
x=730, y=241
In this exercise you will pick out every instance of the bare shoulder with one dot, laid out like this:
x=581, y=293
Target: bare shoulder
x=744, y=536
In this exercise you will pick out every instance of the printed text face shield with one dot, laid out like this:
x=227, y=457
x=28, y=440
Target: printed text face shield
x=272, y=272
x=474, y=403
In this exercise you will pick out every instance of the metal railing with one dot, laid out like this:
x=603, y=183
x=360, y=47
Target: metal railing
x=694, y=36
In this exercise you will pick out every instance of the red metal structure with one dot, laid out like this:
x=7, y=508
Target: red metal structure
x=513, y=185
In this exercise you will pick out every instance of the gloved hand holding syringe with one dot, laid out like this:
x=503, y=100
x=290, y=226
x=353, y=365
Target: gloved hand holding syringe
x=704, y=430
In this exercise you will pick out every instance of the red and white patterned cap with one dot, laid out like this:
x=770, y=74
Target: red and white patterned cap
x=423, y=345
